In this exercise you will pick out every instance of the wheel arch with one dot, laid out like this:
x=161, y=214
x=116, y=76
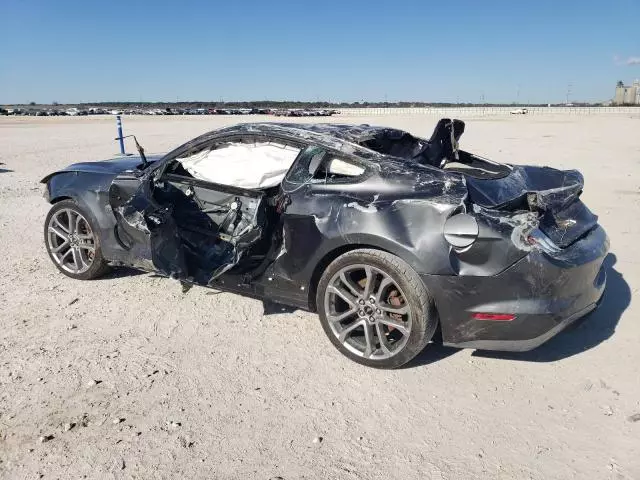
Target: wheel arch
x=60, y=198
x=329, y=257
x=424, y=315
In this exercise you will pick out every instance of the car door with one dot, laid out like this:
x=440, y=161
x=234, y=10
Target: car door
x=189, y=229
x=216, y=224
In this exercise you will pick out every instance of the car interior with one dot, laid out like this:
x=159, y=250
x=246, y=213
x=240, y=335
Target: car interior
x=225, y=201
x=440, y=151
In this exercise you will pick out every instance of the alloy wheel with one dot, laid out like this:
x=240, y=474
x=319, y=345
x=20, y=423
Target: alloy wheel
x=368, y=312
x=71, y=241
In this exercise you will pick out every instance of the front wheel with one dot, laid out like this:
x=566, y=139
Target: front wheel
x=72, y=241
x=375, y=308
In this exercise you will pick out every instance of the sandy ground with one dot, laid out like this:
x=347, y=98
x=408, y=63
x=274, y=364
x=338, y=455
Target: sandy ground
x=159, y=384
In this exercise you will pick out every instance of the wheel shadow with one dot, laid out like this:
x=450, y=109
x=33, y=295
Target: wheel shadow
x=434, y=352
x=272, y=308
x=4, y=170
x=121, y=272
x=588, y=332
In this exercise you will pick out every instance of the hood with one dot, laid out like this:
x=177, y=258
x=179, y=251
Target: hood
x=107, y=167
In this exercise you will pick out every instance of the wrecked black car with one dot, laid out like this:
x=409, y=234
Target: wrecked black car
x=386, y=235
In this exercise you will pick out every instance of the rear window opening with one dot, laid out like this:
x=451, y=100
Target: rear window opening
x=478, y=167
x=440, y=151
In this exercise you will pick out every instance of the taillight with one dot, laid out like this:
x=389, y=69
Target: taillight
x=496, y=317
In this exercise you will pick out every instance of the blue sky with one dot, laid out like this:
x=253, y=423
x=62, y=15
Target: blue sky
x=339, y=50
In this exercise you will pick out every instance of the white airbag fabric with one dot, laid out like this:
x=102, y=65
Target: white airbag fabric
x=252, y=166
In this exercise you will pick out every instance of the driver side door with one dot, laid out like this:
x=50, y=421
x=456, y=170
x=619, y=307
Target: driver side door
x=183, y=227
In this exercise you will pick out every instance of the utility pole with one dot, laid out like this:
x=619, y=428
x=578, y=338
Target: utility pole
x=568, y=93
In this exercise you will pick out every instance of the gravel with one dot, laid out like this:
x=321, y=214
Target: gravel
x=451, y=414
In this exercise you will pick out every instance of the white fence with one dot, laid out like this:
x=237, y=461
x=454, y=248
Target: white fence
x=487, y=111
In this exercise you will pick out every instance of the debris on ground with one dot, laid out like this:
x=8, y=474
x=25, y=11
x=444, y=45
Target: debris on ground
x=185, y=443
x=634, y=418
x=84, y=421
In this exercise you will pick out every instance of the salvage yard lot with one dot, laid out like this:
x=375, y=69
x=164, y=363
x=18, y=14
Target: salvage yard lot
x=128, y=377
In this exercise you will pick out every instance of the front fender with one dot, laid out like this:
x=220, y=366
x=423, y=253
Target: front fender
x=91, y=192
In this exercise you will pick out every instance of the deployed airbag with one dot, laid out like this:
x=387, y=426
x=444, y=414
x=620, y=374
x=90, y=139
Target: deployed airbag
x=252, y=166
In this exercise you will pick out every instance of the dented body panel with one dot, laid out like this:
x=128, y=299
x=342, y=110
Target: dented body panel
x=536, y=249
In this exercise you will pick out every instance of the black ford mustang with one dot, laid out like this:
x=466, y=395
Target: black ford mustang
x=386, y=235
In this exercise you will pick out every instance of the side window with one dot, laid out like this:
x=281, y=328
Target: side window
x=303, y=169
x=334, y=168
x=316, y=165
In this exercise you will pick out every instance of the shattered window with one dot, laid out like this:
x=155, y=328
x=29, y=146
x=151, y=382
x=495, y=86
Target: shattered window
x=303, y=170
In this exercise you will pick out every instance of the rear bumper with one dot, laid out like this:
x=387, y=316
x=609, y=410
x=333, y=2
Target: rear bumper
x=545, y=293
x=523, y=345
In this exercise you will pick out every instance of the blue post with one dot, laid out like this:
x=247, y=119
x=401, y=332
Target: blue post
x=119, y=122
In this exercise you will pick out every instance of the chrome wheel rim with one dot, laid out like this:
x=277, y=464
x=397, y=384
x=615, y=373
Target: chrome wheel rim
x=368, y=312
x=71, y=241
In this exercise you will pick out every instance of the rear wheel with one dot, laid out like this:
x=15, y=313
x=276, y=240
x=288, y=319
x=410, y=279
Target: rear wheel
x=71, y=238
x=375, y=308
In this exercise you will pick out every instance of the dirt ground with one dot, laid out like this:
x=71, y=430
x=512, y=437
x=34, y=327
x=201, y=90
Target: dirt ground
x=127, y=377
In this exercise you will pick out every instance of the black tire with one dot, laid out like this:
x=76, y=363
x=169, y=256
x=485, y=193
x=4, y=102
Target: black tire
x=98, y=265
x=424, y=318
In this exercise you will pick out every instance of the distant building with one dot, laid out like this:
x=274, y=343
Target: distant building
x=627, y=95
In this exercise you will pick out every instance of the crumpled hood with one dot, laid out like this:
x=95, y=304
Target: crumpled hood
x=542, y=188
x=107, y=167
